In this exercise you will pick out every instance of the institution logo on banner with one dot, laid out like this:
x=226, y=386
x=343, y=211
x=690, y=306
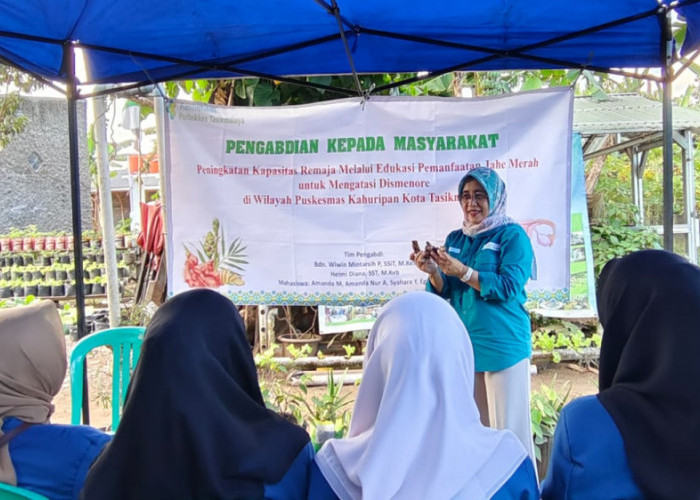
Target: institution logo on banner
x=318, y=204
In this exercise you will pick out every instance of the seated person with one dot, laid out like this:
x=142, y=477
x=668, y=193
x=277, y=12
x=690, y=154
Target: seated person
x=49, y=459
x=194, y=424
x=639, y=436
x=415, y=430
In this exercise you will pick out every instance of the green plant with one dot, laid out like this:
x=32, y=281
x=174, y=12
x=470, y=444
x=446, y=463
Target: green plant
x=359, y=335
x=272, y=377
x=552, y=333
x=124, y=226
x=299, y=352
x=69, y=316
x=331, y=406
x=349, y=350
x=135, y=314
x=611, y=239
x=545, y=407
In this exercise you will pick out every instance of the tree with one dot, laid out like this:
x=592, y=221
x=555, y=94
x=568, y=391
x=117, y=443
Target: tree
x=13, y=83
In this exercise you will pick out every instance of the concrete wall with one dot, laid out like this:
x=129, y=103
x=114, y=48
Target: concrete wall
x=42, y=196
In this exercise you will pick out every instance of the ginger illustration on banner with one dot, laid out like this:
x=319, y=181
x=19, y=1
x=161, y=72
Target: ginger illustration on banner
x=212, y=264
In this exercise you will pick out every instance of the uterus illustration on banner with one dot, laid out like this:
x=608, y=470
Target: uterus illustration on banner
x=290, y=205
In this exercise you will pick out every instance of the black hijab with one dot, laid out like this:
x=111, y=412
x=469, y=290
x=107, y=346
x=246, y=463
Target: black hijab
x=194, y=424
x=649, y=306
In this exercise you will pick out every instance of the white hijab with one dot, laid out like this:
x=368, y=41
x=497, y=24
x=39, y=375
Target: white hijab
x=415, y=429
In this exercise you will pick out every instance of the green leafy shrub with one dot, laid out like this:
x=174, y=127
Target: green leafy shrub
x=612, y=240
x=545, y=407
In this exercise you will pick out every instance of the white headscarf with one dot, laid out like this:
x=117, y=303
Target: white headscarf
x=415, y=429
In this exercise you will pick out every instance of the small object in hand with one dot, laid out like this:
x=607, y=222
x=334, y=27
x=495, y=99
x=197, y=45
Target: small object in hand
x=416, y=246
x=431, y=250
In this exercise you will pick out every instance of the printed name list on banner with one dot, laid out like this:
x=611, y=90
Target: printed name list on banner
x=318, y=204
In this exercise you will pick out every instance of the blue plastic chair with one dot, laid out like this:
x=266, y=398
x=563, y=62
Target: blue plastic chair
x=8, y=492
x=126, y=347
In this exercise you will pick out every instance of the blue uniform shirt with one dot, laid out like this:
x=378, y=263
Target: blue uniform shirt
x=521, y=485
x=53, y=459
x=295, y=483
x=496, y=318
x=588, y=456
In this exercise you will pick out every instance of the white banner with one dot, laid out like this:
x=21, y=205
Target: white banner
x=318, y=204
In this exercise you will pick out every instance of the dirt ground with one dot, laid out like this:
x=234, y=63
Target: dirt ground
x=583, y=382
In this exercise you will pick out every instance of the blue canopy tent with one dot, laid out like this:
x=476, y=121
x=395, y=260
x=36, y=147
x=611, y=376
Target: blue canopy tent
x=141, y=42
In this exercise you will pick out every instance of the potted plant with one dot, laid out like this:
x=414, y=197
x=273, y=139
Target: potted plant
x=31, y=288
x=50, y=274
x=5, y=243
x=299, y=329
x=50, y=243
x=329, y=411
x=17, y=288
x=44, y=258
x=98, y=285
x=121, y=231
x=28, y=236
x=39, y=242
x=44, y=289
x=16, y=239
x=122, y=270
x=87, y=236
x=57, y=288
x=60, y=240
x=62, y=271
x=69, y=316
x=5, y=289
x=545, y=407
x=37, y=273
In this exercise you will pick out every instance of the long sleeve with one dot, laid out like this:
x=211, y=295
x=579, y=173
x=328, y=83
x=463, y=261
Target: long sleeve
x=556, y=484
x=508, y=280
x=588, y=456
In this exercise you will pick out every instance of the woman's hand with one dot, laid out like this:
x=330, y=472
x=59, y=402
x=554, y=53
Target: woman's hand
x=424, y=262
x=449, y=265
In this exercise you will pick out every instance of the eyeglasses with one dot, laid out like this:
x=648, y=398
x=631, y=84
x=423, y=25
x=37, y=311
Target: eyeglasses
x=478, y=197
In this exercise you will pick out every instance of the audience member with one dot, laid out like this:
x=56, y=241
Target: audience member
x=638, y=437
x=49, y=459
x=195, y=425
x=415, y=429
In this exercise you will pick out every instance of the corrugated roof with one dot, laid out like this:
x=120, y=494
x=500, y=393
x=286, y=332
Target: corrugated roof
x=626, y=114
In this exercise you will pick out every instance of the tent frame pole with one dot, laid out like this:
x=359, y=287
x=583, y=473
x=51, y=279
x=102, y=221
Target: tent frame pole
x=71, y=94
x=667, y=120
x=336, y=13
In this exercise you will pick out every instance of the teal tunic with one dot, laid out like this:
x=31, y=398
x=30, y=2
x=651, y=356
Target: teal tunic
x=495, y=317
